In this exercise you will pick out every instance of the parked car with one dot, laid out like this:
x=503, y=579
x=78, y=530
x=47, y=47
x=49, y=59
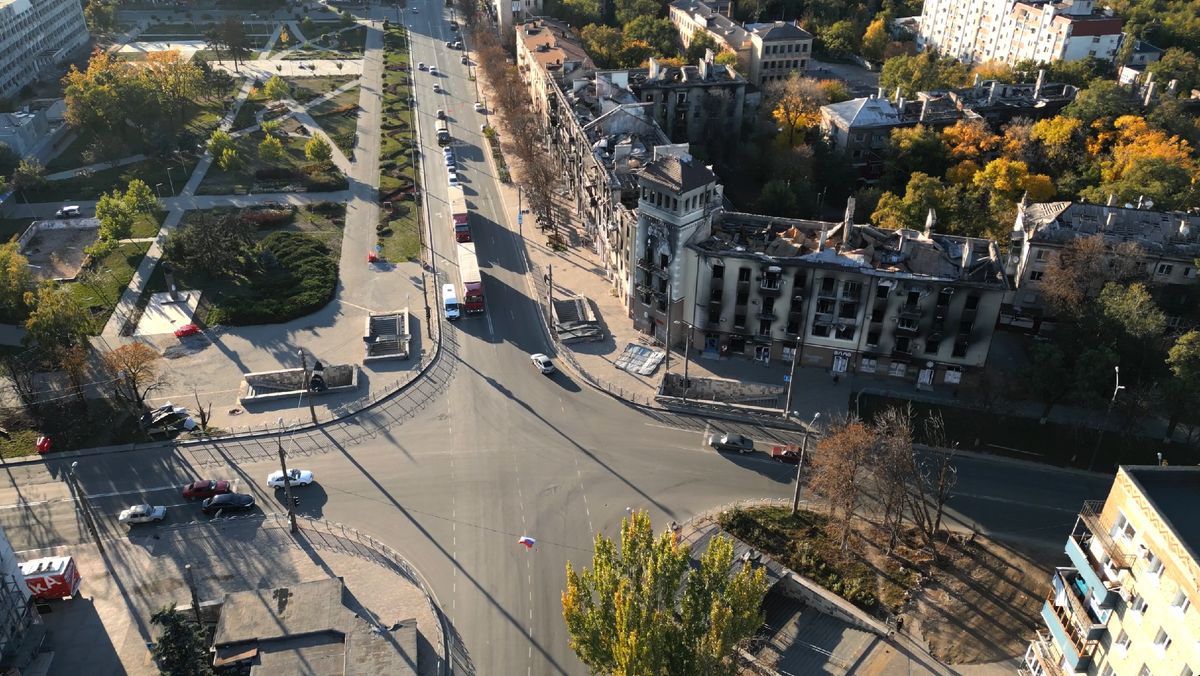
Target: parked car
x=457, y=44
x=789, y=454
x=450, y=161
x=142, y=514
x=479, y=107
x=206, y=489
x=186, y=330
x=298, y=477
x=68, y=212
x=464, y=60
x=453, y=180
x=453, y=25
x=542, y=363
x=420, y=65
x=229, y=502
x=731, y=442
x=450, y=44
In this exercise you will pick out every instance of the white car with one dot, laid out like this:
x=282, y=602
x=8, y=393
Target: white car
x=437, y=88
x=142, y=514
x=420, y=65
x=478, y=107
x=543, y=363
x=453, y=180
x=433, y=70
x=297, y=477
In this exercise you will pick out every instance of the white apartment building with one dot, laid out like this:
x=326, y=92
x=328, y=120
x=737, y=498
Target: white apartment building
x=35, y=35
x=508, y=14
x=1009, y=31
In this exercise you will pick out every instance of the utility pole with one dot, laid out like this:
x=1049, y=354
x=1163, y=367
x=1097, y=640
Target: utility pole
x=800, y=464
x=787, y=407
x=287, y=480
x=687, y=349
x=428, y=313
x=191, y=582
x=1116, y=390
x=550, y=283
x=307, y=386
x=87, y=508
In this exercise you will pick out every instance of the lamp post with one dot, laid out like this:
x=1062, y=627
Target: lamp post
x=287, y=480
x=687, y=349
x=1107, y=412
x=800, y=464
x=172, y=180
x=158, y=189
x=307, y=386
x=87, y=508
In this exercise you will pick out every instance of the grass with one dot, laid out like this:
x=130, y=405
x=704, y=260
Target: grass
x=112, y=275
x=72, y=156
x=313, y=55
x=341, y=127
x=399, y=232
x=105, y=423
x=250, y=107
x=1020, y=437
x=152, y=171
x=305, y=89
x=346, y=98
x=219, y=181
x=148, y=226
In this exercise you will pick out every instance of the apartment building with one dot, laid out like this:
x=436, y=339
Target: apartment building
x=36, y=35
x=508, y=14
x=1009, y=31
x=917, y=307
x=1124, y=606
x=861, y=127
x=1170, y=242
x=767, y=52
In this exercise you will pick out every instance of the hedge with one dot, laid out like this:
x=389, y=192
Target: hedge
x=304, y=282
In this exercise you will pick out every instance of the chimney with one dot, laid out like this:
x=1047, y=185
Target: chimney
x=978, y=79
x=1171, y=87
x=1149, y=78
x=992, y=93
x=924, y=109
x=654, y=68
x=1151, y=90
x=1037, y=89
x=708, y=55
x=900, y=107
x=882, y=93
x=824, y=235
x=965, y=262
x=899, y=94
x=1112, y=200
x=930, y=221
x=1110, y=221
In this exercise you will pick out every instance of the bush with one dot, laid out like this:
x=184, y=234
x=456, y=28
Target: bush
x=314, y=168
x=303, y=282
x=278, y=174
x=326, y=207
x=267, y=218
x=344, y=139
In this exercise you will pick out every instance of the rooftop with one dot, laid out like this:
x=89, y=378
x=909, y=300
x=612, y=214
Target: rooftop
x=718, y=24
x=901, y=254
x=1163, y=232
x=678, y=174
x=552, y=44
x=779, y=30
x=1173, y=493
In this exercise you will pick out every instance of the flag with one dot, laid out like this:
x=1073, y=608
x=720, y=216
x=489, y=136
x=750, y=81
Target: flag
x=527, y=541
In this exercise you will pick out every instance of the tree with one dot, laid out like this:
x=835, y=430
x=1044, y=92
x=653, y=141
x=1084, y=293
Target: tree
x=116, y=216
x=604, y=44
x=57, y=319
x=210, y=245
x=106, y=149
x=1047, y=376
x=230, y=159
x=796, y=105
x=182, y=649
x=219, y=142
x=1102, y=100
x=9, y=160
x=308, y=26
x=776, y=199
x=640, y=611
x=877, y=38
x=837, y=468
x=839, y=38
x=922, y=193
x=215, y=40
x=922, y=72
x=1182, y=390
x=16, y=278
x=237, y=43
x=628, y=10
x=969, y=140
x=1179, y=65
x=73, y=361
x=270, y=150
x=911, y=150
x=1073, y=273
x=700, y=43
x=29, y=175
x=100, y=18
x=1134, y=324
x=134, y=371
x=269, y=127
x=317, y=149
x=727, y=58
x=139, y=198
x=277, y=89
x=346, y=19
x=660, y=34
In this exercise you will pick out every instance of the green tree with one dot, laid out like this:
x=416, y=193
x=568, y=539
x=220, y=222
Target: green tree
x=237, y=43
x=308, y=27
x=660, y=34
x=840, y=38
x=640, y=612
x=777, y=199
x=1176, y=64
x=269, y=127
x=628, y=10
x=57, y=319
x=922, y=72
x=727, y=58
x=346, y=19
x=116, y=217
x=922, y=193
x=317, y=149
x=140, y=198
x=9, y=160
x=29, y=175
x=1133, y=324
x=100, y=18
x=574, y=12
x=219, y=142
x=911, y=150
x=15, y=278
x=276, y=89
x=700, y=42
x=230, y=159
x=182, y=649
x=1101, y=100
x=1181, y=392
x=270, y=150
x=604, y=44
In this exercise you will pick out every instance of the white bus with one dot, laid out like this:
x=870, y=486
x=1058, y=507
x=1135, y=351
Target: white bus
x=450, y=301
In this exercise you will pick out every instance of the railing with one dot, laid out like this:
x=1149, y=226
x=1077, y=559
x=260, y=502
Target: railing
x=1090, y=514
x=1043, y=651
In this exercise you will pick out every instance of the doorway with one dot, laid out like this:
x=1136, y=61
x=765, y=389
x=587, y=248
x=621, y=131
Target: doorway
x=762, y=353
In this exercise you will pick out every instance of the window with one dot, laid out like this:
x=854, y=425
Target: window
x=1187, y=671
x=1138, y=607
x=1030, y=298
x=820, y=330
x=1154, y=567
x=857, y=154
x=1189, y=273
x=931, y=346
x=972, y=302
x=789, y=353
x=1165, y=268
x=845, y=332
x=764, y=327
x=965, y=327
x=898, y=369
x=743, y=274
x=848, y=310
x=1145, y=670
x=1180, y=603
x=793, y=328
x=882, y=290
x=1122, y=643
x=960, y=350
x=867, y=365
x=873, y=339
x=1162, y=641
x=825, y=306
x=1042, y=254
x=944, y=297
x=1108, y=670
x=1035, y=276
x=858, y=138
x=718, y=272
x=1122, y=528
x=743, y=297
x=851, y=290
x=953, y=375
x=907, y=324
x=903, y=345
x=739, y=321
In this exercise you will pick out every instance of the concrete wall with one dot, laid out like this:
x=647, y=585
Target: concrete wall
x=800, y=588
x=723, y=390
x=338, y=377
x=37, y=226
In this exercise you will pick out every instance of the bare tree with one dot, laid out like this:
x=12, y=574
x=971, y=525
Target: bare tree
x=135, y=372
x=933, y=480
x=1084, y=266
x=205, y=414
x=838, y=471
x=22, y=370
x=73, y=360
x=892, y=468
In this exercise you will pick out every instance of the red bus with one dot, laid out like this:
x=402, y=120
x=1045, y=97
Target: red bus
x=459, y=215
x=472, y=283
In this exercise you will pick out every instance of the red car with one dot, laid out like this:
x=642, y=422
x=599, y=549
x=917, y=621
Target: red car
x=186, y=330
x=205, y=489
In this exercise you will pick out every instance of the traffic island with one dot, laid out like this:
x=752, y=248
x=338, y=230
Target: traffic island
x=271, y=385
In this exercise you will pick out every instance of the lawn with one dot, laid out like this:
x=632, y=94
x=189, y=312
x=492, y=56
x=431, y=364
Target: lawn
x=152, y=171
x=102, y=282
x=400, y=229
x=341, y=126
x=305, y=89
x=250, y=107
x=72, y=156
x=1020, y=437
x=148, y=225
x=219, y=181
x=106, y=423
x=311, y=55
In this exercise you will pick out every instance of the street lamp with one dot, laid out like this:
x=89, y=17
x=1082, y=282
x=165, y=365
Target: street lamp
x=87, y=508
x=308, y=386
x=172, y=180
x=1107, y=412
x=800, y=464
x=158, y=189
x=287, y=480
x=687, y=348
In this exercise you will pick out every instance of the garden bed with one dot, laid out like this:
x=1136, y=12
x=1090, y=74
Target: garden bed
x=229, y=181
x=399, y=230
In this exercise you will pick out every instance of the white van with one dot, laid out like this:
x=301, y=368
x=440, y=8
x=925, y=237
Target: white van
x=450, y=301
x=68, y=212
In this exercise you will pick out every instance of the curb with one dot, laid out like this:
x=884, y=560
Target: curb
x=1015, y=462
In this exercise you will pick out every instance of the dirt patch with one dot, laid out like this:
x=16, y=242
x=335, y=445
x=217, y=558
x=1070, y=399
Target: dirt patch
x=984, y=603
x=58, y=254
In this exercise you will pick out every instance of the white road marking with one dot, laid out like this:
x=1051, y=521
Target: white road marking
x=34, y=503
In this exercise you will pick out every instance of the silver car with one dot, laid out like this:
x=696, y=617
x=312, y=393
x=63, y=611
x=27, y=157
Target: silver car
x=142, y=514
x=543, y=363
x=731, y=442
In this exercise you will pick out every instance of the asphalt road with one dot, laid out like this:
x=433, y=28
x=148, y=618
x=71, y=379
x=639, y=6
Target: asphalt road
x=452, y=473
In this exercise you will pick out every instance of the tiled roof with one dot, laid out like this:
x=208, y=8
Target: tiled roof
x=677, y=174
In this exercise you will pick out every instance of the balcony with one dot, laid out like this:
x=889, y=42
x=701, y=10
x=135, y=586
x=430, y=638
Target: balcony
x=1076, y=652
x=1041, y=658
x=1090, y=515
x=795, y=315
x=714, y=318
x=652, y=268
x=770, y=286
x=910, y=310
x=767, y=315
x=827, y=293
x=1087, y=617
x=1101, y=579
x=743, y=286
x=763, y=338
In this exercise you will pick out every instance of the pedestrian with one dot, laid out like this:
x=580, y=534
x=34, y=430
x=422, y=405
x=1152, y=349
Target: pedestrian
x=836, y=378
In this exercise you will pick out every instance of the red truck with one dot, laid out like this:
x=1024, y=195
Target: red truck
x=472, y=282
x=54, y=577
x=459, y=216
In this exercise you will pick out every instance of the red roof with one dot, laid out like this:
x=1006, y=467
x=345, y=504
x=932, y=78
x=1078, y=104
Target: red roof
x=1092, y=27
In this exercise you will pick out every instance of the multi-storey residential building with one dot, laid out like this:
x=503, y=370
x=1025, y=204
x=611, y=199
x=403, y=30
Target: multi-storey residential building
x=1009, y=31
x=17, y=612
x=1124, y=606
x=36, y=35
x=508, y=14
x=1170, y=242
x=550, y=57
x=861, y=127
x=848, y=297
x=767, y=52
